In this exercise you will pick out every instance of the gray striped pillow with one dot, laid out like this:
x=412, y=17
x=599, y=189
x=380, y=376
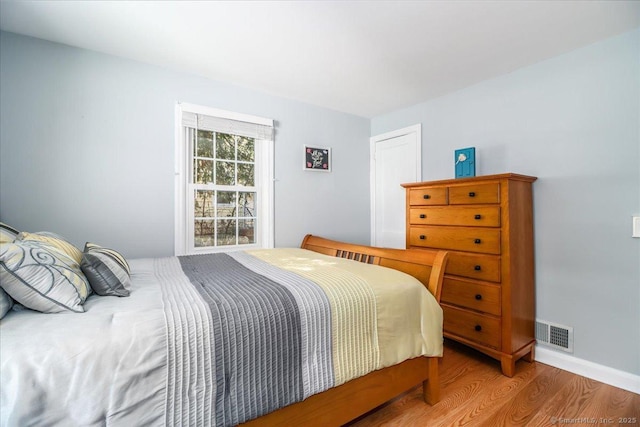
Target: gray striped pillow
x=107, y=271
x=7, y=233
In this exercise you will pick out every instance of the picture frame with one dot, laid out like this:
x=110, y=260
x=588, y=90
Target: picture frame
x=317, y=159
x=465, y=162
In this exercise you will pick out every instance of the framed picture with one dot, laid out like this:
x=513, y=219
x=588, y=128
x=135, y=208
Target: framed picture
x=317, y=159
x=465, y=162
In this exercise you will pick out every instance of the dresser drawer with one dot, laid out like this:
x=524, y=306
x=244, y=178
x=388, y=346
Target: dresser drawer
x=474, y=193
x=428, y=196
x=480, y=216
x=482, y=240
x=481, y=267
x=477, y=296
x=480, y=328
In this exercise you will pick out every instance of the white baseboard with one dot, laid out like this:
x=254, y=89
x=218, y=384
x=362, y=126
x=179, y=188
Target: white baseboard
x=605, y=374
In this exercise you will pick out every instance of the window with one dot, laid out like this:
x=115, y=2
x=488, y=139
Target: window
x=224, y=181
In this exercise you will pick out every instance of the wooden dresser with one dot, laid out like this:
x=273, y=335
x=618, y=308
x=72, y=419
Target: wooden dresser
x=488, y=294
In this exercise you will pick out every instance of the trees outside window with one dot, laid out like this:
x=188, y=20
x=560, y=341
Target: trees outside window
x=223, y=215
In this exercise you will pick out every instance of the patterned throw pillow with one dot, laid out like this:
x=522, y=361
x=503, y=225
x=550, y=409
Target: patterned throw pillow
x=5, y=303
x=58, y=242
x=7, y=233
x=107, y=271
x=42, y=278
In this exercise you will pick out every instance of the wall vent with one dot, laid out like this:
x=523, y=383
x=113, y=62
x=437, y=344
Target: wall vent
x=554, y=335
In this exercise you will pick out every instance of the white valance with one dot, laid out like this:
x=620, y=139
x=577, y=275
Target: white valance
x=224, y=125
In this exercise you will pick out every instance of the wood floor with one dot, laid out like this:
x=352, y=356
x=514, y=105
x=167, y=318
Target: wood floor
x=475, y=393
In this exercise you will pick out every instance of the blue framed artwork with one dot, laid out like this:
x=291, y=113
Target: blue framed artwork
x=465, y=162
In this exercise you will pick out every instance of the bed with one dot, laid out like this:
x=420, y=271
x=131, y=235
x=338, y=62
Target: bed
x=157, y=357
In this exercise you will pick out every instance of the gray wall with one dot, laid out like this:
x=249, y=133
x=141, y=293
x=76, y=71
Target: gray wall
x=574, y=122
x=87, y=150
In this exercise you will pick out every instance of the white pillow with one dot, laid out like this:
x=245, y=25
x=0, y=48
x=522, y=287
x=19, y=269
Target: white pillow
x=42, y=278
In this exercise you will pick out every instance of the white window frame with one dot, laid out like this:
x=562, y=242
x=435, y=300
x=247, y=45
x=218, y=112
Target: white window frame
x=184, y=219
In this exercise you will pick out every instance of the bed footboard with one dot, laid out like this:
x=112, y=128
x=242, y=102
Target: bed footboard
x=425, y=265
x=348, y=401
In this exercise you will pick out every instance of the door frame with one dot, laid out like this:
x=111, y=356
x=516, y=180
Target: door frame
x=417, y=130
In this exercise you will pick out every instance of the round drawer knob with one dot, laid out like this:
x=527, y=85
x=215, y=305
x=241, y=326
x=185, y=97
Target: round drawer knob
x=477, y=241
x=472, y=194
x=426, y=196
x=422, y=237
x=478, y=328
x=478, y=297
x=477, y=267
x=422, y=216
x=477, y=216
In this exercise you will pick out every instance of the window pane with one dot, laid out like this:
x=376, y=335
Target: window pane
x=246, y=174
x=225, y=173
x=204, y=146
x=246, y=231
x=221, y=165
x=226, y=232
x=203, y=233
x=245, y=149
x=203, y=206
x=226, y=204
x=225, y=146
x=203, y=171
x=246, y=204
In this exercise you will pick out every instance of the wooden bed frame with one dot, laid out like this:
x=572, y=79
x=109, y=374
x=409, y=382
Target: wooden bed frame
x=339, y=405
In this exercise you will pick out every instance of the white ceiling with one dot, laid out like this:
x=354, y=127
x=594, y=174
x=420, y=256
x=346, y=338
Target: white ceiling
x=361, y=57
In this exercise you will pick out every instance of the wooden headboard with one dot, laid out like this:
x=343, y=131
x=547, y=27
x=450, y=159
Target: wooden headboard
x=425, y=265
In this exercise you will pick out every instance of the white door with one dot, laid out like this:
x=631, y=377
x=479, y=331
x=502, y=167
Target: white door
x=395, y=159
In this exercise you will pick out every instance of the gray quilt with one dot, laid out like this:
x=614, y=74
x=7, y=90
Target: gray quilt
x=255, y=334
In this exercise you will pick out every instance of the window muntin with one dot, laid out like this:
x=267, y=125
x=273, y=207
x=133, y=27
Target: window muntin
x=223, y=181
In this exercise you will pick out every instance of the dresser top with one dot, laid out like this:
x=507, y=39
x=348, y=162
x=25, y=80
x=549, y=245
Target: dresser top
x=509, y=176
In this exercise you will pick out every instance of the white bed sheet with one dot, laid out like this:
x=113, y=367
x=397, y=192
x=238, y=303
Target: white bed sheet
x=49, y=380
